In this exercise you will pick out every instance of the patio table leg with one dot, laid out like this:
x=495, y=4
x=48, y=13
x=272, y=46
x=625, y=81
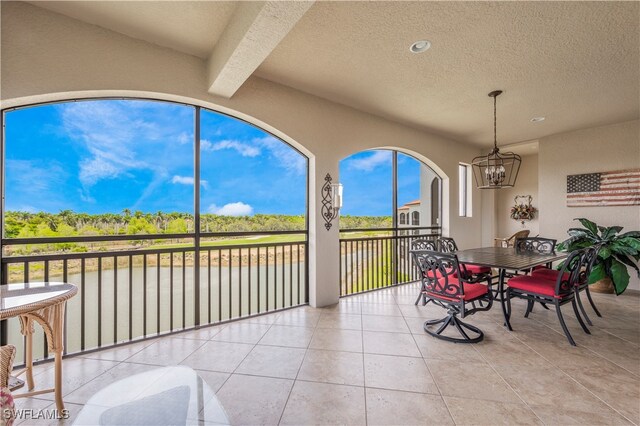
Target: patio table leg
x=501, y=292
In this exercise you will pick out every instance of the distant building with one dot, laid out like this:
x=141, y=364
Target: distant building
x=426, y=210
x=409, y=214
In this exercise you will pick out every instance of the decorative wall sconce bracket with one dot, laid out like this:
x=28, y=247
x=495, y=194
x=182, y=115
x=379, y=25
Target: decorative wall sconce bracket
x=331, y=201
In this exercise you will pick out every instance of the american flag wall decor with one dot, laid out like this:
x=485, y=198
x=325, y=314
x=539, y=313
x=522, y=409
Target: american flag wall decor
x=619, y=188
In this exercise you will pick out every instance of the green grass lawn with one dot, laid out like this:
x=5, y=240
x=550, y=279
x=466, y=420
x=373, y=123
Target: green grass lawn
x=261, y=239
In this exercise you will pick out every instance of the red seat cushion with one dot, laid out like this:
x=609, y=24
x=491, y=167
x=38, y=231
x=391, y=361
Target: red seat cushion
x=471, y=291
x=429, y=272
x=473, y=270
x=534, y=285
x=549, y=274
x=476, y=269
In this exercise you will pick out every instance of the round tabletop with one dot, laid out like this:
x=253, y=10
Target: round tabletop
x=174, y=395
x=22, y=298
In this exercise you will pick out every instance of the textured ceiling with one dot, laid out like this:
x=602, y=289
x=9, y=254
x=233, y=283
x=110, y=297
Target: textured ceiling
x=576, y=63
x=191, y=27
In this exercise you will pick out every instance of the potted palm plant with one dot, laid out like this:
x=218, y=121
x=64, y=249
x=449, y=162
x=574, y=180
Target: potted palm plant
x=616, y=253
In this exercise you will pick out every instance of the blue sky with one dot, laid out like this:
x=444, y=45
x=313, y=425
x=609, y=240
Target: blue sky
x=107, y=155
x=367, y=179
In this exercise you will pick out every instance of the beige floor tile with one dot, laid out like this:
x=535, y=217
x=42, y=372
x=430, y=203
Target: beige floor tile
x=467, y=411
x=433, y=348
x=391, y=310
x=406, y=300
x=120, y=353
x=223, y=357
x=375, y=297
x=242, y=332
x=390, y=344
x=387, y=407
x=263, y=319
x=214, y=379
x=568, y=415
x=203, y=333
x=322, y=404
x=26, y=406
x=384, y=323
x=252, y=400
x=337, y=340
x=345, y=306
x=166, y=351
x=511, y=352
x=72, y=409
x=343, y=368
x=398, y=373
x=297, y=317
x=119, y=372
x=272, y=361
x=615, y=386
x=631, y=336
x=470, y=380
x=341, y=321
x=76, y=372
x=416, y=325
x=616, y=350
x=536, y=388
x=284, y=335
x=429, y=311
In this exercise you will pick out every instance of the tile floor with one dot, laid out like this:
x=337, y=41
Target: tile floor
x=367, y=360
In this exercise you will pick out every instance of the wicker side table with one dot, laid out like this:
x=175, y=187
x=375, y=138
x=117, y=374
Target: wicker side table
x=44, y=303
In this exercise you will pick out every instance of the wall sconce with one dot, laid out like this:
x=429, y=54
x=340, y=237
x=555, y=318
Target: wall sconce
x=331, y=200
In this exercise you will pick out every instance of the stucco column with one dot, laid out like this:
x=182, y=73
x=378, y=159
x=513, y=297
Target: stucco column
x=324, y=245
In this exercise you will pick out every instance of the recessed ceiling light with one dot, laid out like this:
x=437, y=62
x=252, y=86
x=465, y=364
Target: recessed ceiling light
x=420, y=46
x=537, y=119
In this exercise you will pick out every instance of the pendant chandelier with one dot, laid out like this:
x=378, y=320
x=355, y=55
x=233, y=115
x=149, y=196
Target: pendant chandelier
x=496, y=170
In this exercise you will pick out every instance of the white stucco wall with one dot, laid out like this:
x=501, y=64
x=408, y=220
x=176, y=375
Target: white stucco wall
x=599, y=149
x=48, y=57
x=527, y=184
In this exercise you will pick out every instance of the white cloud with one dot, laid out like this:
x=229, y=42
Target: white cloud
x=107, y=131
x=184, y=138
x=188, y=180
x=183, y=180
x=243, y=149
x=288, y=157
x=232, y=209
x=369, y=163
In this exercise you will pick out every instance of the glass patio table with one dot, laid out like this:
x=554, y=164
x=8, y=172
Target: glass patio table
x=505, y=259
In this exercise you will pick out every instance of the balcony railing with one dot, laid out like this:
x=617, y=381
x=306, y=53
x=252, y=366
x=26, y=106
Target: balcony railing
x=381, y=259
x=126, y=295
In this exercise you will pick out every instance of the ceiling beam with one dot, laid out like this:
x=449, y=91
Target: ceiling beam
x=254, y=31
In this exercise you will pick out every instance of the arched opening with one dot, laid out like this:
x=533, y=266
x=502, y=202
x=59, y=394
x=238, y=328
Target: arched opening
x=390, y=199
x=165, y=215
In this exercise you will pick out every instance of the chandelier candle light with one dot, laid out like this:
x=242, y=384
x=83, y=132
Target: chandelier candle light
x=496, y=170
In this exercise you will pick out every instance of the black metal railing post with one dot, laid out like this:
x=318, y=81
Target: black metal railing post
x=196, y=220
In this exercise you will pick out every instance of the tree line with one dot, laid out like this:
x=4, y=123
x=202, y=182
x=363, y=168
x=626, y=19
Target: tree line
x=67, y=223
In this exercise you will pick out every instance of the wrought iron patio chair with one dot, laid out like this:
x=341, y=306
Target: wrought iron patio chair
x=534, y=245
x=423, y=244
x=556, y=292
x=591, y=256
x=475, y=273
x=445, y=286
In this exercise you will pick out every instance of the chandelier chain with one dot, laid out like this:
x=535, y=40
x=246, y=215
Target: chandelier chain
x=495, y=131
